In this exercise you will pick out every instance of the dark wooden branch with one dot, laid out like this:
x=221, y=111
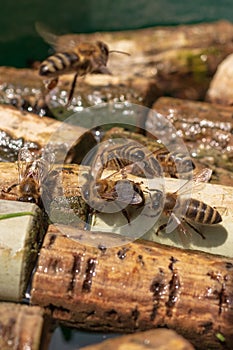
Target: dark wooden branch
x=136, y=286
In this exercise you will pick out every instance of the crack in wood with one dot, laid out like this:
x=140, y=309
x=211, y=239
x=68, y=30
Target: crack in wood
x=74, y=271
x=222, y=296
x=174, y=287
x=158, y=288
x=90, y=272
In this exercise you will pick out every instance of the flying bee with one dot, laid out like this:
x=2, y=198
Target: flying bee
x=107, y=195
x=78, y=57
x=187, y=210
x=32, y=172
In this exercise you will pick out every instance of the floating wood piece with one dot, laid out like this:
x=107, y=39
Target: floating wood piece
x=20, y=237
x=220, y=90
x=21, y=327
x=20, y=128
x=136, y=286
x=158, y=339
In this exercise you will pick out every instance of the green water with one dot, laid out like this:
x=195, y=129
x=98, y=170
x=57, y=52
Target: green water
x=19, y=42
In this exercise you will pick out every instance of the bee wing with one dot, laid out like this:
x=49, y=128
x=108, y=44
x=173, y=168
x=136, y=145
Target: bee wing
x=44, y=165
x=196, y=183
x=55, y=40
x=25, y=159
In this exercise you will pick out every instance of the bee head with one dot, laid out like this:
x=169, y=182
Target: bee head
x=104, y=50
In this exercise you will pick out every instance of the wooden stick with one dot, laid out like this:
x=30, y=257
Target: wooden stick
x=135, y=286
x=158, y=339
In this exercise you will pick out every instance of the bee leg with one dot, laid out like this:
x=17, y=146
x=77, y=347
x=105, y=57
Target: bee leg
x=195, y=229
x=72, y=90
x=9, y=188
x=126, y=215
x=160, y=228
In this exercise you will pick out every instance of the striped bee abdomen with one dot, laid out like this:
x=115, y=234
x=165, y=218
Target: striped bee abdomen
x=58, y=63
x=202, y=213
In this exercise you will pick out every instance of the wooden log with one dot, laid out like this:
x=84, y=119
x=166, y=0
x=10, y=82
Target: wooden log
x=136, y=286
x=19, y=129
x=20, y=237
x=206, y=129
x=21, y=327
x=158, y=339
x=220, y=89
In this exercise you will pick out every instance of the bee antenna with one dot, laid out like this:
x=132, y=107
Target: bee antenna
x=117, y=51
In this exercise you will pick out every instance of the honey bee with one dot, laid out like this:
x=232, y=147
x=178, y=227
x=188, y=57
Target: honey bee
x=181, y=210
x=129, y=155
x=136, y=159
x=78, y=57
x=32, y=172
x=107, y=195
x=174, y=163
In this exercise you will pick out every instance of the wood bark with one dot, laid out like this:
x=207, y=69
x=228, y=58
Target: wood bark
x=136, y=286
x=21, y=327
x=158, y=339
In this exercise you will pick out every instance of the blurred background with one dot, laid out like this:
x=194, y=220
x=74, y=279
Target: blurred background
x=20, y=44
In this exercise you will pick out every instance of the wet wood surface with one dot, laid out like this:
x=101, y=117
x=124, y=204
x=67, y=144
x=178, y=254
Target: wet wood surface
x=158, y=339
x=206, y=130
x=20, y=129
x=135, y=286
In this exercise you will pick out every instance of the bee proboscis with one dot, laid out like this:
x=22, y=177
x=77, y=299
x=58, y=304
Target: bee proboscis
x=78, y=57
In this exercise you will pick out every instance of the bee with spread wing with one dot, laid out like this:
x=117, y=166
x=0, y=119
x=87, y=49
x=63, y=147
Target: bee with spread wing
x=78, y=57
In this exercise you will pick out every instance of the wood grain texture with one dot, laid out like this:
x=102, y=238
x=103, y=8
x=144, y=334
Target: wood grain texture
x=135, y=287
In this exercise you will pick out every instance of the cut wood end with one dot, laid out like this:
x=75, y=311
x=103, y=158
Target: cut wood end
x=19, y=242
